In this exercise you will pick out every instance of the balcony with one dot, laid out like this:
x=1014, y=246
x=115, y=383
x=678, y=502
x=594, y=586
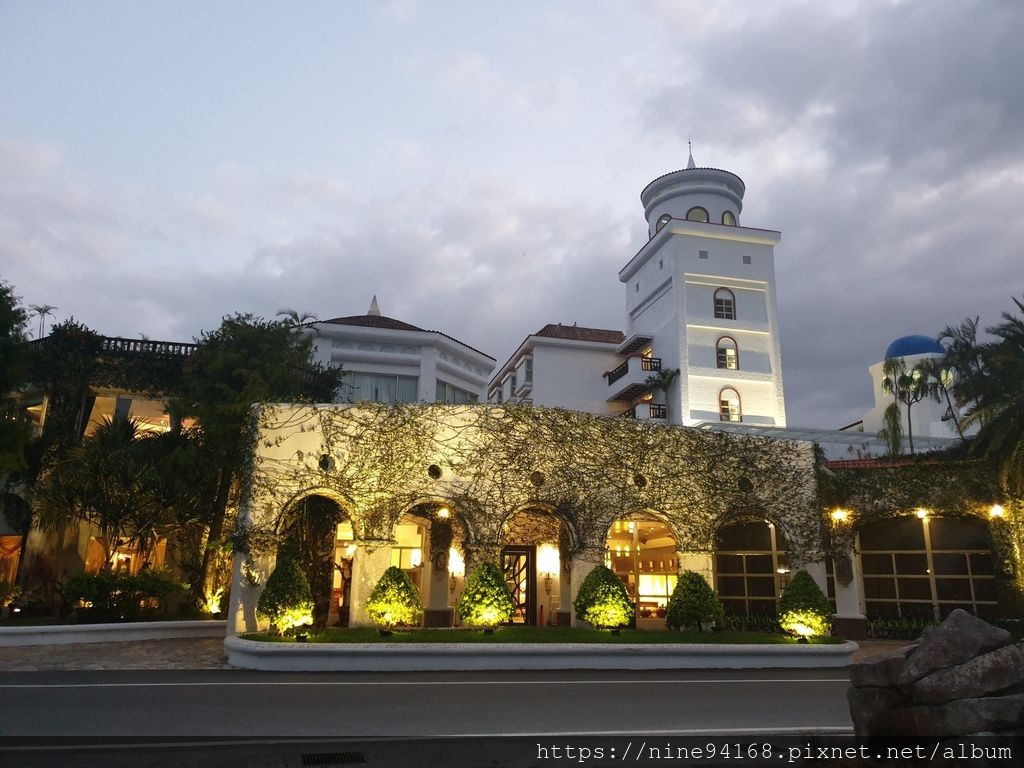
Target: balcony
x=629, y=380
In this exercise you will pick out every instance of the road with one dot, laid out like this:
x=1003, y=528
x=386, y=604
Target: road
x=182, y=706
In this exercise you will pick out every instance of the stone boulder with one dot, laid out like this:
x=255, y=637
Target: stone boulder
x=956, y=640
x=882, y=671
x=990, y=673
x=922, y=724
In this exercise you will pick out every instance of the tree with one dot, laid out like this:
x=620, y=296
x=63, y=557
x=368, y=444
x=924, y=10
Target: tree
x=693, y=603
x=246, y=360
x=13, y=360
x=603, y=600
x=294, y=318
x=42, y=311
x=993, y=392
x=906, y=388
x=663, y=381
x=394, y=600
x=486, y=601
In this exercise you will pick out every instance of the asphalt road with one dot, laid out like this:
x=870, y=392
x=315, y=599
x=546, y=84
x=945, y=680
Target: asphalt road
x=88, y=710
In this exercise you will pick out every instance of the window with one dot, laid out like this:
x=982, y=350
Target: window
x=702, y=254
x=729, y=408
x=664, y=219
x=727, y=354
x=513, y=384
x=661, y=263
x=642, y=553
x=449, y=393
x=751, y=567
x=725, y=304
x=729, y=219
x=697, y=214
x=529, y=370
x=637, y=286
x=382, y=388
x=746, y=259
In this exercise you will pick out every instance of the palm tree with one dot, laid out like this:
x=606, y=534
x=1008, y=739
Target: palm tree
x=937, y=383
x=994, y=391
x=293, y=318
x=663, y=381
x=906, y=389
x=42, y=311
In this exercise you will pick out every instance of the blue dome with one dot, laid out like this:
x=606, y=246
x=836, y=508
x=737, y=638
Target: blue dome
x=914, y=345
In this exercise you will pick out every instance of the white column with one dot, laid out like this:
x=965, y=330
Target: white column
x=851, y=622
x=428, y=374
x=698, y=562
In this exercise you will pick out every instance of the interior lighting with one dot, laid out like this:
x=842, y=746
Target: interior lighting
x=996, y=511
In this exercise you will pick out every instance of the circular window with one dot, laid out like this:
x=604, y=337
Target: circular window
x=537, y=478
x=664, y=219
x=745, y=485
x=729, y=219
x=434, y=471
x=326, y=463
x=639, y=481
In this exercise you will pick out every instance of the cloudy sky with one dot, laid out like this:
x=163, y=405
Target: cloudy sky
x=478, y=165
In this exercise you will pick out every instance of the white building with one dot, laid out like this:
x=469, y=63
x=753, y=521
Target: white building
x=388, y=360
x=700, y=299
x=561, y=366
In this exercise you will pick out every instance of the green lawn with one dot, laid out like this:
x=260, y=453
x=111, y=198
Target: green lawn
x=532, y=635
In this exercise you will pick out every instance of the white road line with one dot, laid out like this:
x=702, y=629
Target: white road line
x=418, y=683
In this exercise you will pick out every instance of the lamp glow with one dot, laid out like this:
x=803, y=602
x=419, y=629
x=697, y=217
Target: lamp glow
x=921, y=513
x=996, y=511
x=456, y=565
x=840, y=515
x=443, y=513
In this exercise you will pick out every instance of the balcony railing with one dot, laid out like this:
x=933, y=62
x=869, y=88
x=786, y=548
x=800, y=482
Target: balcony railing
x=659, y=411
x=117, y=345
x=646, y=364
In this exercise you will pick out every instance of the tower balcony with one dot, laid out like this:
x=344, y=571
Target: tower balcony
x=629, y=380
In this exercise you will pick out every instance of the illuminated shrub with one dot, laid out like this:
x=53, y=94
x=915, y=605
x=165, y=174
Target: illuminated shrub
x=603, y=600
x=693, y=604
x=486, y=602
x=286, y=600
x=113, y=596
x=803, y=609
x=394, y=600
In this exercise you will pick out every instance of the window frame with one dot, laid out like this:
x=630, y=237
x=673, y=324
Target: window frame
x=727, y=415
x=718, y=353
x=702, y=209
x=729, y=223
x=725, y=307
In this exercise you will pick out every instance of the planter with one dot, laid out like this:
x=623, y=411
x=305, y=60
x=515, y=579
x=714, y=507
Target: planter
x=67, y=634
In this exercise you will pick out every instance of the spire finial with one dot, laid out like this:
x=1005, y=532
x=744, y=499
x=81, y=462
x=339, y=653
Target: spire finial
x=689, y=163
x=374, y=307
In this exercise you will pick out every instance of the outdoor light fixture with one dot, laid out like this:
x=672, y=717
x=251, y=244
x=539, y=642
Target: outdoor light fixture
x=996, y=511
x=922, y=513
x=840, y=515
x=443, y=513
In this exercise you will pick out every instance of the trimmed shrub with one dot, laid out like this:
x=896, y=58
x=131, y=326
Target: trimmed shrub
x=113, y=596
x=693, y=604
x=394, y=600
x=286, y=600
x=803, y=608
x=486, y=602
x=603, y=600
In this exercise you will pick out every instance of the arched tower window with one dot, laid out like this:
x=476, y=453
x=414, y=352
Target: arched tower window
x=729, y=219
x=664, y=219
x=697, y=214
x=725, y=304
x=727, y=353
x=729, y=407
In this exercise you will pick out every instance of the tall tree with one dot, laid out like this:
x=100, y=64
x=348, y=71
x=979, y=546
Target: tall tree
x=907, y=389
x=246, y=360
x=663, y=381
x=42, y=311
x=993, y=392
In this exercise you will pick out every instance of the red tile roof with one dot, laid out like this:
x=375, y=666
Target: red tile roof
x=373, y=321
x=576, y=333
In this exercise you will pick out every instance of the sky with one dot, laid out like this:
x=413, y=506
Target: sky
x=478, y=166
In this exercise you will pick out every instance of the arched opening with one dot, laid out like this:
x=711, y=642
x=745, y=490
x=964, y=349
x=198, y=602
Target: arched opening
x=664, y=219
x=724, y=304
x=729, y=406
x=15, y=516
x=430, y=547
x=641, y=551
x=727, y=353
x=317, y=533
x=924, y=567
x=536, y=545
x=729, y=218
x=697, y=214
x=751, y=567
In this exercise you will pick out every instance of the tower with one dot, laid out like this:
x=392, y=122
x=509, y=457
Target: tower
x=700, y=295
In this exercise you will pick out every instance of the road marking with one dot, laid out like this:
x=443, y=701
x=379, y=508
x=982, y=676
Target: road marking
x=419, y=683
x=812, y=730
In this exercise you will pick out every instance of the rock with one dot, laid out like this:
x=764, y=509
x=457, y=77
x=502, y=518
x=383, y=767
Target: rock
x=880, y=671
x=921, y=724
x=995, y=671
x=959, y=638
x=867, y=703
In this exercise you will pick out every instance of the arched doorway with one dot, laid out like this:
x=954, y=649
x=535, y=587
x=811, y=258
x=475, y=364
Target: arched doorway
x=751, y=567
x=642, y=553
x=317, y=533
x=921, y=566
x=533, y=540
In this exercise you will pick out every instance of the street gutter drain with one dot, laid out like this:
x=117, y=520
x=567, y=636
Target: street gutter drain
x=333, y=758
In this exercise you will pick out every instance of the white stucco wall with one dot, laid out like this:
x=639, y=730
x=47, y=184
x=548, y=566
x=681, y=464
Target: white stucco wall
x=569, y=375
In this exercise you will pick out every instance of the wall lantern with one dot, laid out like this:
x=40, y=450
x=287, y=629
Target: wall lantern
x=921, y=513
x=840, y=515
x=443, y=513
x=997, y=511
